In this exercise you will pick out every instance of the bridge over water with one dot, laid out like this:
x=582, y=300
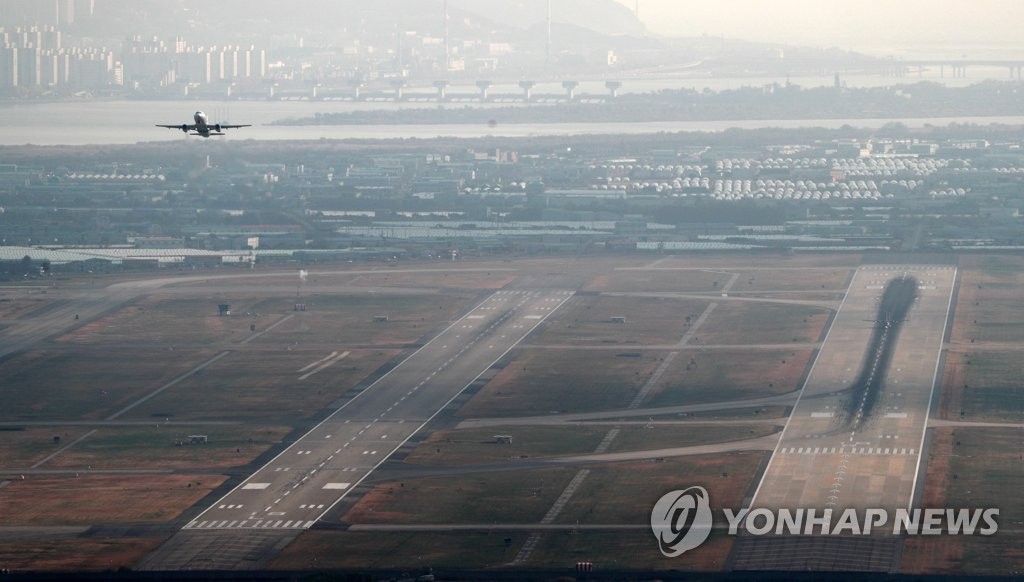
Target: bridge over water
x=958, y=67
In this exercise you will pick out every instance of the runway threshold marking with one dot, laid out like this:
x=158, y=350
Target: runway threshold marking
x=382, y=458
x=512, y=346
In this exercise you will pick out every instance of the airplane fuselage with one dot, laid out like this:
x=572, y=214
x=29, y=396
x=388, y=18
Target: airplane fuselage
x=202, y=126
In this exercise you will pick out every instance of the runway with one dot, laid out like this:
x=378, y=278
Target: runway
x=301, y=484
x=855, y=436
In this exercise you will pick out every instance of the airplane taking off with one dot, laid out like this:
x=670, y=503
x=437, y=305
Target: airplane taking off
x=202, y=127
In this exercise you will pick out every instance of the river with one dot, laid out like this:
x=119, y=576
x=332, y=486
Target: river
x=130, y=121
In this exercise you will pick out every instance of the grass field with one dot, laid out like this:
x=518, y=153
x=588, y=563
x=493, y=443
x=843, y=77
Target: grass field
x=26, y=446
x=468, y=446
x=993, y=386
x=186, y=322
x=755, y=412
x=588, y=320
x=753, y=323
x=973, y=468
x=641, y=438
x=724, y=375
x=625, y=492
x=194, y=321
x=400, y=550
x=545, y=381
x=622, y=493
x=70, y=554
x=157, y=447
x=86, y=385
x=262, y=384
x=625, y=550
x=102, y=499
x=479, y=498
x=988, y=300
x=452, y=279
x=758, y=261
x=349, y=319
x=18, y=302
x=477, y=445
x=689, y=281
x=768, y=280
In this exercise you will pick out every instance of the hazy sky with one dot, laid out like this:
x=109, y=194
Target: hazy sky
x=876, y=26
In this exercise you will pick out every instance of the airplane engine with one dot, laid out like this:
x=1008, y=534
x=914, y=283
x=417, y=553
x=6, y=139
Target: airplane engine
x=216, y=128
x=184, y=128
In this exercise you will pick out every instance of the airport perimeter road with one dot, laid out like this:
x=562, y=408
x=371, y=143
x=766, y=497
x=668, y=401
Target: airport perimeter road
x=302, y=483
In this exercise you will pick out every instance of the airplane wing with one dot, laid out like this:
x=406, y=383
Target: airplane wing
x=180, y=126
x=222, y=126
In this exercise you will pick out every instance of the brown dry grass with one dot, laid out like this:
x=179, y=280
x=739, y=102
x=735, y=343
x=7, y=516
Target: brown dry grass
x=476, y=498
x=74, y=554
x=627, y=550
x=649, y=321
x=952, y=387
x=734, y=261
x=17, y=303
x=443, y=280
x=169, y=320
x=25, y=447
x=626, y=492
x=86, y=385
x=988, y=300
x=348, y=319
x=764, y=281
x=617, y=493
x=938, y=554
x=156, y=447
x=972, y=468
x=754, y=323
x=399, y=550
x=543, y=381
x=992, y=389
x=689, y=281
x=102, y=499
x=723, y=375
x=262, y=384
x=477, y=445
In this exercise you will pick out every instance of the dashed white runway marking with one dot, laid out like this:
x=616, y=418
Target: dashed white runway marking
x=847, y=450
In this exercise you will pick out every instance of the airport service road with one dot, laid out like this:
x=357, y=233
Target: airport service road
x=827, y=457
x=302, y=483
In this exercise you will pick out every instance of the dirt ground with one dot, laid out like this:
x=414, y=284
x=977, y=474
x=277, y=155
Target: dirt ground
x=88, y=499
